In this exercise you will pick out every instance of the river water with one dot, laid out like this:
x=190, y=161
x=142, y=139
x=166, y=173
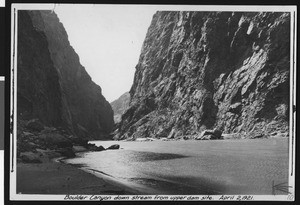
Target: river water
x=192, y=167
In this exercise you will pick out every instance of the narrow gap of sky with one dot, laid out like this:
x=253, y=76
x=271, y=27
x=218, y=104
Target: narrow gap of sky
x=108, y=40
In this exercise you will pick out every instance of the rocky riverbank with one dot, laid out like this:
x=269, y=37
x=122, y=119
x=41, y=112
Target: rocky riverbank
x=37, y=143
x=216, y=134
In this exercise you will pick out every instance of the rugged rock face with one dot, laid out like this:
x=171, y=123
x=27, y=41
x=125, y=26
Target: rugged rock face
x=120, y=105
x=52, y=84
x=211, y=70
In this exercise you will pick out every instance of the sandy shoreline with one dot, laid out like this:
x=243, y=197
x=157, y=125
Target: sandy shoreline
x=58, y=178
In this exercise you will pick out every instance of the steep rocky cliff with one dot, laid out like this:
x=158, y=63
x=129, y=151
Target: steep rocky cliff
x=120, y=105
x=52, y=84
x=206, y=70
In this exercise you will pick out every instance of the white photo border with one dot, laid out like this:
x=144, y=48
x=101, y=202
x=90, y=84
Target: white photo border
x=292, y=141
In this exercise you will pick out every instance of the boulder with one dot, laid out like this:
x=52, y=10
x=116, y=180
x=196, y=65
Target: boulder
x=55, y=140
x=99, y=148
x=232, y=136
x=30, y=157
x=35, y=125
x=257, y=136
x=25, y=146
x=206, y=132
x=93, y=147
x=67, y=152
x=49, y=130
x=79, y=141
x=217, y=133
x=172, y=134
x=79, y=149
x=207, y=137
x=210, y=135
x=27, y=134
x=115, y=146
x=49, y=154
x=273, y=133
x=89, y=145
x=185, y=137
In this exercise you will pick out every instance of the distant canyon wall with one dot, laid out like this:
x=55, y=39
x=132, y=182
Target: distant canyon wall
x=205, y=70
x=120, y=105
x=52, y=85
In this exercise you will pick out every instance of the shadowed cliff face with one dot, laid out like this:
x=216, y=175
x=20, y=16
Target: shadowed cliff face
x=204, y=70
x=52, y=84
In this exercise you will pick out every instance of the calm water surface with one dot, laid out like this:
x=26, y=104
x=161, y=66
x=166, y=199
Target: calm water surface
x=192, y=167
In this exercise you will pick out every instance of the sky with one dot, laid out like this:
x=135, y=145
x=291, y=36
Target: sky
x=108, y=40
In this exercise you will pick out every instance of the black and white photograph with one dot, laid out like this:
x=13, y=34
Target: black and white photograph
x=152, y=102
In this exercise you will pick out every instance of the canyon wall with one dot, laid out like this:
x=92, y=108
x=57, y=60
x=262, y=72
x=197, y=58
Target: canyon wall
x=120, y=105
x=52, y=85
x=211, y=70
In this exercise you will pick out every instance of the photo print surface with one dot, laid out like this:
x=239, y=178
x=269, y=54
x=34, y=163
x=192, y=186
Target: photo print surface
x=152, y=102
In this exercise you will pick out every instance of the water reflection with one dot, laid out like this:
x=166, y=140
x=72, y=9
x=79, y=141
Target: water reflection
x=193, y=167
x=122, y=164
x=137, y=156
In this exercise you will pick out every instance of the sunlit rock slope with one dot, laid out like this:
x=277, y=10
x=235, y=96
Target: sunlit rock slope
x=206, y=70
